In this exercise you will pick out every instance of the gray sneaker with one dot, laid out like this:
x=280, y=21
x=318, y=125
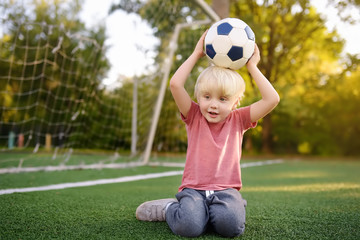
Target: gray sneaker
x=153, y=210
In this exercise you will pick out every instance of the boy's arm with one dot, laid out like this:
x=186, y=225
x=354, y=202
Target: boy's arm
x=270, y=98
x=177, y=82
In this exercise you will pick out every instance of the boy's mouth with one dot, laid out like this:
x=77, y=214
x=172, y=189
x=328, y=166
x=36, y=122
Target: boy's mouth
x=213, y=114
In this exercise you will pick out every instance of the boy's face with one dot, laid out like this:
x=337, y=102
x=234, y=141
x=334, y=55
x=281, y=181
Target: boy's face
x=215, y=107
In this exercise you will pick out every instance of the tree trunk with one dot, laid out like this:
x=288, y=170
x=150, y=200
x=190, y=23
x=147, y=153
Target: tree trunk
x=221, y=7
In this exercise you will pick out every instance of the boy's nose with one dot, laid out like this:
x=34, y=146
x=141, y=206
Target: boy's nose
x=213, y=104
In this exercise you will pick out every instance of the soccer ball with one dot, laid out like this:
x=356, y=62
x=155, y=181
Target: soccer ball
x=229, y=43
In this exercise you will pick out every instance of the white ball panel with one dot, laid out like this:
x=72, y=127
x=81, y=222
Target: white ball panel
x=238, y=64
x=210, y=35
x=249, y=49
x=237, y=23
x=238, y=37
x=221, y=44
x=222, y=60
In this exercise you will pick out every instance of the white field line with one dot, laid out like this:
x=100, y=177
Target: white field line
x=91, y=183
x=261, y=163
x=69, y=167
x=118, y=180
x=243, y=165
x=111, y=166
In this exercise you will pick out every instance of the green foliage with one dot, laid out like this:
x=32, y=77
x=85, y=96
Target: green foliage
x=300, y=57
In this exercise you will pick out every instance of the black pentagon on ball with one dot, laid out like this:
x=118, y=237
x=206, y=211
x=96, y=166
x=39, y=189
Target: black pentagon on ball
x=210, y=51
x=224, y=29
x=250, y=34
x=235, y=53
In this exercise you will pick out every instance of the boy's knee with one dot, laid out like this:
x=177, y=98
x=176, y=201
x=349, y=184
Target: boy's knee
x=188, y=229
x=229, y=224
x=229, y=229
x=184, y=223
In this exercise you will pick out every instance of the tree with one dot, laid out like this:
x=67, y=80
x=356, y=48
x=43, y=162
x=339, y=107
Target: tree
x=294, y=43
x=333, y=125
x=300, y=57
x=47, y=53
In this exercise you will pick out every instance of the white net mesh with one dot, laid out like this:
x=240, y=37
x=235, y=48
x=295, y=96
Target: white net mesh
x=52, y=98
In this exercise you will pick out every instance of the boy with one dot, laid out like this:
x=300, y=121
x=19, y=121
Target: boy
x=209, y=192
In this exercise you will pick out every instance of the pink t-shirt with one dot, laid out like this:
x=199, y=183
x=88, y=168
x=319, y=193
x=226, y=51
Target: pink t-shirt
x=214, y=150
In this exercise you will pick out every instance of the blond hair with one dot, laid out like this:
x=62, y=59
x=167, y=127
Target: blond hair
x=228, y=82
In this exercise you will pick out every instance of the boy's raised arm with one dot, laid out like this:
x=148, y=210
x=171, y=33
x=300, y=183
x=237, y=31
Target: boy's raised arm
x=270, y=98
x=177, y=82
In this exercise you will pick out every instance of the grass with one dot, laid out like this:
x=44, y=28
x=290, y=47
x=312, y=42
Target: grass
x=13, y=159
x=28, y=159
x=293, y=200
x=303, y=200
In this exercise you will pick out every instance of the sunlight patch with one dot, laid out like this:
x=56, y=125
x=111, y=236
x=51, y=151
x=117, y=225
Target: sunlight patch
x=309, y=174
x=305, y=188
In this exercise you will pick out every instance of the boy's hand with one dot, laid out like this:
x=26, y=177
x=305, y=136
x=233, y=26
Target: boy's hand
x=255, y=58
x=199, y=49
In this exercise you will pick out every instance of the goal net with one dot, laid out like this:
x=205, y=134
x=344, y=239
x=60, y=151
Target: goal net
x=53, y=102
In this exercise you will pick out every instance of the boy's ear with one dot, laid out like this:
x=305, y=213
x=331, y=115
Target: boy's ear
x=237, y=102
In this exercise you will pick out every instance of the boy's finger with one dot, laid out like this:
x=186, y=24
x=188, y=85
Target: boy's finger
x=204, y=34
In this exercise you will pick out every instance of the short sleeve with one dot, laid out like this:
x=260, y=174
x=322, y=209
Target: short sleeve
x=191, y=114
x=244, y=118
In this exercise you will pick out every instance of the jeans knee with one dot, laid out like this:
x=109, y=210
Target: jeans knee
x=229, y=225
x=188, y=217
x=188, y=228
x=230, y=230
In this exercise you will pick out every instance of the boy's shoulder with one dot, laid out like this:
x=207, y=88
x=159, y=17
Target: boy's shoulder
x=193, y=113
x=242, y=116
x=242, y=110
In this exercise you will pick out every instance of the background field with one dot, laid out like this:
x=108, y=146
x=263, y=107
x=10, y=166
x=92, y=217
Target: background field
x=296, y=199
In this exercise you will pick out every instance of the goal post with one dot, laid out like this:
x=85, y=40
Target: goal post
x=168, y=63
x=160, y=99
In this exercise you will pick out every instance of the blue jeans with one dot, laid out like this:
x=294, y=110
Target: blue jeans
x=194, y=212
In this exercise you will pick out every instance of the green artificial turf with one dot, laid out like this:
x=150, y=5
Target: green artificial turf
x=291, y=200
x=35, y=179
x=14, y=159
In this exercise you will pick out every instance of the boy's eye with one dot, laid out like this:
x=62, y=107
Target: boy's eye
x=223, y=99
